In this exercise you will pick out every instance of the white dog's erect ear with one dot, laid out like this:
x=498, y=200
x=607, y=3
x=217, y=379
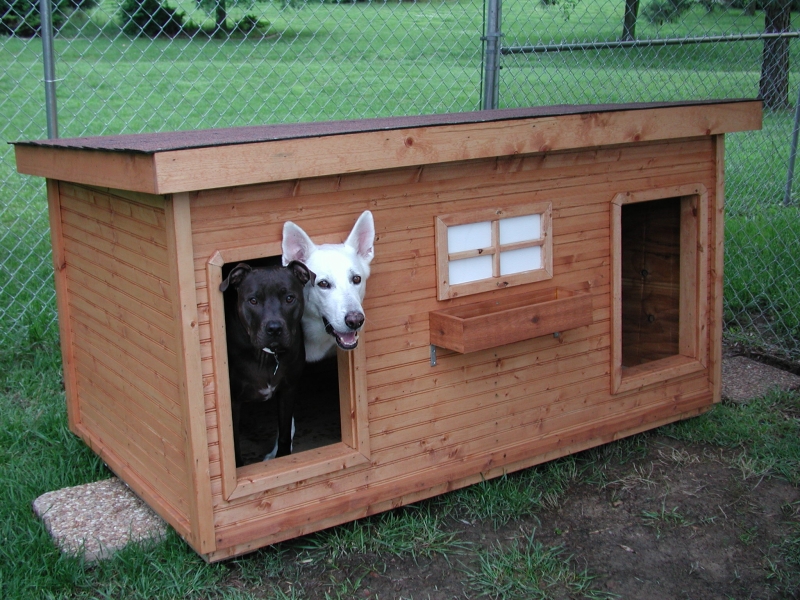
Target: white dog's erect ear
x=296, y=244
x=362, y=237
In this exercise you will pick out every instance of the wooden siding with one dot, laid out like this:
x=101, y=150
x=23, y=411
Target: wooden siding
x=118, y=294
x=159, y=168
x=435, y=428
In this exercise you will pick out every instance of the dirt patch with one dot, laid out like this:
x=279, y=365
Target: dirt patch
x=679, y=522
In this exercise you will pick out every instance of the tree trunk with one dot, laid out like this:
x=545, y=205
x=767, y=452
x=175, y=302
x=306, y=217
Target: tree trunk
x=222, y=16
x=629, y=22
x=774, y=85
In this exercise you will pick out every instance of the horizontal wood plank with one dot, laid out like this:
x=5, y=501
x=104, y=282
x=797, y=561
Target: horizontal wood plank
x=236, y=165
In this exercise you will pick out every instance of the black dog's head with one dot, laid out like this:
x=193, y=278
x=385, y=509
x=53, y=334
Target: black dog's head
x=270, y=303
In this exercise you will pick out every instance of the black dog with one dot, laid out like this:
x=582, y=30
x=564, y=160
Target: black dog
x=265, y=342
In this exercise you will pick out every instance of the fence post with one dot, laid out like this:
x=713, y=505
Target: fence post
x=491, y=67
x=49, y=68
x=787, y=196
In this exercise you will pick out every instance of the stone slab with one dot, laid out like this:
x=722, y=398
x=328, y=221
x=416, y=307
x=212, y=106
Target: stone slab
x=98, y=519
x=744, y=379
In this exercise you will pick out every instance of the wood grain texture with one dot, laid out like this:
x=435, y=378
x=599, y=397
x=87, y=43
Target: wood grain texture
x=62, y=302
x=426, y=423
x=195, y=444
x=675, y=257
x=143, y=322
x=194, y=169
x=123, y=343
x=716, y=264
x=90, y=167
x=381, y=150
x=485, y=325
x=701, y=405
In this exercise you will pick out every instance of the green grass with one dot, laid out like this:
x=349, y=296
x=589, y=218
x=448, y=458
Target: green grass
x=662, y=518
x=766, y=431
x=526, y=569
x=416, y=531
x=327, y=61
x=515, y=495
x=333, y=61
x=765, y=437
x=761, y=281
x=784, y=564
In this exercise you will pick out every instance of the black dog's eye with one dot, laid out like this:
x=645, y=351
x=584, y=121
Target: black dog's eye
x=356, y=279
x=324, y=284
x=253, y=301
x=290, y=298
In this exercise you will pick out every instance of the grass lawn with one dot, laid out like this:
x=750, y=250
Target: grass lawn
x=333, y=61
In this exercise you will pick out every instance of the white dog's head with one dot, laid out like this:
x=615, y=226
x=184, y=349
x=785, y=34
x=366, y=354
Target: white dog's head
x=333, y=303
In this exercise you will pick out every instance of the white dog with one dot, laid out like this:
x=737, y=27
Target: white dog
x=333, y=314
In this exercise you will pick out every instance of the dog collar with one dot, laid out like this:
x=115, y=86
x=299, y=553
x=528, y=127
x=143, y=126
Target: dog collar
x=275, y=354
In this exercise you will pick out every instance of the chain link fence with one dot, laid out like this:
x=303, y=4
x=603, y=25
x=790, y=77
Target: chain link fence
x=125, y=66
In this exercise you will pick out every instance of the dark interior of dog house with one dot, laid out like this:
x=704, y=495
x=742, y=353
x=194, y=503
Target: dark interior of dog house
x=650, y=280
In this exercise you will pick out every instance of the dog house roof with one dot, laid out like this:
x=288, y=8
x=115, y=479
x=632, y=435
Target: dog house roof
x=151, y=143
x=183, y=161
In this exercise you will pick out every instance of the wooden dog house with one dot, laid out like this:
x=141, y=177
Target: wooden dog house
x=544, y=281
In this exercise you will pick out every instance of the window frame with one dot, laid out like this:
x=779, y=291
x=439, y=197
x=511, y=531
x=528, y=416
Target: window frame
x=447, y=291
x=352, y=451
x=693, y=303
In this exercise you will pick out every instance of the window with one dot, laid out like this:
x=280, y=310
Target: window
x=660, y=296
x=489, y=249
x=349, y=449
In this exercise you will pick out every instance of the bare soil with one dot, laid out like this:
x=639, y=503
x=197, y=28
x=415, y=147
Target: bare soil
x=681, y=521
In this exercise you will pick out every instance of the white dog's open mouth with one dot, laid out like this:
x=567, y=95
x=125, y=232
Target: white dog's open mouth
x=345, y=340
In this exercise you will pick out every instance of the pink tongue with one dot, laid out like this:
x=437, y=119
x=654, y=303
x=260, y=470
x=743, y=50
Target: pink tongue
x=348, y=338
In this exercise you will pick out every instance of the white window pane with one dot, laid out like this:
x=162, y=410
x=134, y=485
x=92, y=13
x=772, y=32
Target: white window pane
x=520, y=229
x=472, y=236
x=517, y=261
x=470, y=269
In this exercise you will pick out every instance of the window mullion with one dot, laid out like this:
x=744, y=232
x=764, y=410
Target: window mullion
x=520, y=245
x=470, y=253
x=496, y=248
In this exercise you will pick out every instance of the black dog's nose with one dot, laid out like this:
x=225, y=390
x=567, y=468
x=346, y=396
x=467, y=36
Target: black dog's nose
x=274, y=328
x=354, y=320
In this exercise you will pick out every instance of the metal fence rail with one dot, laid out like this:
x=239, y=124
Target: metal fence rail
x=647, y=43
x=215, y=63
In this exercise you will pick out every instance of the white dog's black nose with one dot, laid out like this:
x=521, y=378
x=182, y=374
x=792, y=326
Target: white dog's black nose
x=354, y=320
